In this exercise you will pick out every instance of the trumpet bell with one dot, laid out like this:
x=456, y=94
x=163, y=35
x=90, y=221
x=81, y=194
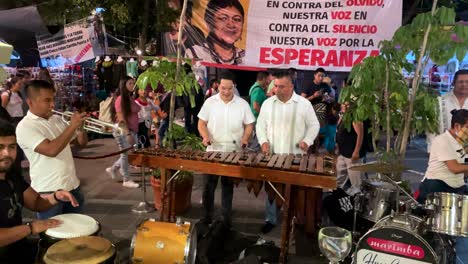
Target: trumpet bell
x=92, y=124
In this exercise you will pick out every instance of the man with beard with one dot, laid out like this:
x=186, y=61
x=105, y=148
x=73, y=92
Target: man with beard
x=16, y=193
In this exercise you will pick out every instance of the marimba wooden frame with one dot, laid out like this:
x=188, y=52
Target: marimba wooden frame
x=291, y=179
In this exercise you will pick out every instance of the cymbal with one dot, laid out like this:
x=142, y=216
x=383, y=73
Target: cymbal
x=380, y=167
x=88, y=249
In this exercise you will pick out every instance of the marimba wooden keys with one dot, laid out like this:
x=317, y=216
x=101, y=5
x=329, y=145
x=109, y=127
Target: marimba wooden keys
x=237, y=158
x=272, y=161
x=250, y=159
x=223, y=157
x=311, y=164
x=213, y=156
x=258, y=159
x=280, y=161
x=230, y=157
x=288, y=162
x=303, y=163
x=320, y=164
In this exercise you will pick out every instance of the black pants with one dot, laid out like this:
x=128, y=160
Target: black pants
x=429, y=186
x=23, y=251
x=209, y=195
x=143, y=132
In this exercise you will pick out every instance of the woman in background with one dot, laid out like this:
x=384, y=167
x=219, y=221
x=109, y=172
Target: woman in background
x=125, y=114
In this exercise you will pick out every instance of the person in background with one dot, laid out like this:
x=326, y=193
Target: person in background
x=12, y=100
x=315, y=92
x=45, y=138
x=257, y=94
x=213, y=90
x=125, y=114
x=45, y=76
x=16, y=246
x=455, y=99
x=144, y=116
x=351, y=151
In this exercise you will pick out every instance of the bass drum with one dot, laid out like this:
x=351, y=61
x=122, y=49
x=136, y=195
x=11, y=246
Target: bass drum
x=403, y=239
x=162, y=242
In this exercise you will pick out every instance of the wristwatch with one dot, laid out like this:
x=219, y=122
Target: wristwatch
x=55, y=195
x=29, y=224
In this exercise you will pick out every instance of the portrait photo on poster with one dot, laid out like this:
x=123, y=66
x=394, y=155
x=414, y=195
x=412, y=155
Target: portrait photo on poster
x=222, y=24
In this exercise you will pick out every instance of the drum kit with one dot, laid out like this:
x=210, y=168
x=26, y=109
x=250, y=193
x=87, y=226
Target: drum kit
x=404, y=231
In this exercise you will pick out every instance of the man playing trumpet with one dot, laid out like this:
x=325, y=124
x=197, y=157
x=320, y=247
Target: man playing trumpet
x=45, y=139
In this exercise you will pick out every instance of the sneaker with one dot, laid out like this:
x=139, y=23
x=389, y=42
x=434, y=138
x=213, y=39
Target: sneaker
x=130, y=184
x=267, y=227
x=112, y=171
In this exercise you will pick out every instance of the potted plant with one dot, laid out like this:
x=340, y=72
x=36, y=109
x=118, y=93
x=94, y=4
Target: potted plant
x=184, y=180
x=380, y=93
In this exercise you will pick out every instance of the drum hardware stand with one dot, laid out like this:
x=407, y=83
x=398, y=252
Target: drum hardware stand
x=143, y=206
x=398, y=193
x=355, y=234
x=173, y=176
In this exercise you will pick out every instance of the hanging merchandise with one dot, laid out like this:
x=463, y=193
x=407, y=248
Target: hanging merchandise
x=119, y=71
x=107, y=67
x=132, y=68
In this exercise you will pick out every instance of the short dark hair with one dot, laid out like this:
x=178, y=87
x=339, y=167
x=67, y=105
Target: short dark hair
x=215, y=5
x=262, y=75
x=459, y=117
x=23, y=73
x=227, y=76
x=213, y=81
x=283, y=74
x=33, y=87
x=322, y=70
x=6, y=128
x=458, y=73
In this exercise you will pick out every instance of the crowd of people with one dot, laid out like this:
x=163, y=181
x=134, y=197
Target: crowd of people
x=277, y=118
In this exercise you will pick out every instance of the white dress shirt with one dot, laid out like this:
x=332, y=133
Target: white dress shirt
x=445, y=148
x=447, y=103
x=48, y=174
x=284, y=125
x=225, y=122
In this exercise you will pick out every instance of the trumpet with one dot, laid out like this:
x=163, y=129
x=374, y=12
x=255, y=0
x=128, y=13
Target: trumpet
x=92, y=124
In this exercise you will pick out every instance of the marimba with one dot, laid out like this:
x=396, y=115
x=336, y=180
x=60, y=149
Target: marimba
x=316, y=171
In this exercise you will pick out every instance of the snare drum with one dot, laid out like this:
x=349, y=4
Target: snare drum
x=161, y=242
x=79, y=250
x=448, y=213
x=402, y=239
x=377, y=200
x=73, y=225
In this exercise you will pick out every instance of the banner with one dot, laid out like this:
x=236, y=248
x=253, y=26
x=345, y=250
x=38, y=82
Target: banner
x=304, y=34
x=79, y=41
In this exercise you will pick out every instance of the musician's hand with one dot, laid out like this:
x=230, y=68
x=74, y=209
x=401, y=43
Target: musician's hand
x=266, y=148
x=64, y=196
x=355, y=156
x=40, y=226
x=244, y=142
x=77, y=119
x=206, y=141
x=303, y=146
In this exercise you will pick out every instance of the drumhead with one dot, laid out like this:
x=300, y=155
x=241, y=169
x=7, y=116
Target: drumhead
x=394, y=243
x=88, y=249
x=73, y=225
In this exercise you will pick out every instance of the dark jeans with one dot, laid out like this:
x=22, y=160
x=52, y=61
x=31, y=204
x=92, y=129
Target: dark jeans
x=209, y=196
x=432, y=186
x=22, y=251
x=65, y=207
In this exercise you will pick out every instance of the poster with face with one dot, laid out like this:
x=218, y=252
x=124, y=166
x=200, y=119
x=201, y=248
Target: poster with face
x=243, y=34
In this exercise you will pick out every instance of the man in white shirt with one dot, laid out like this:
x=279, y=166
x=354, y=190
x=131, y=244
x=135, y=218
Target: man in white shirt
x=45, y=139
x=446, y=169
x=225, y=124
x=286, y=124
x=455, y=99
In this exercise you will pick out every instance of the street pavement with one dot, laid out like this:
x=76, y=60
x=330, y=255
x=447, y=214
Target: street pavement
x=110, y=203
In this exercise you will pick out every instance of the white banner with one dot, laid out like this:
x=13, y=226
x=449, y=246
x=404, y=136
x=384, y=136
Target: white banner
x=304, y=34
x=77, y=42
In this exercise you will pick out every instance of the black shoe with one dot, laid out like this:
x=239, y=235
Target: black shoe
x=267, y=227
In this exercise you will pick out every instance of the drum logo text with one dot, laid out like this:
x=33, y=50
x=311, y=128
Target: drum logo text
x=396, y=248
